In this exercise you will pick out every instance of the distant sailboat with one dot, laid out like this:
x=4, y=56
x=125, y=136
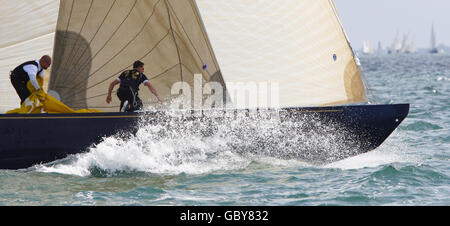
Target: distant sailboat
x=367, y=48
x=411, y=47
x=321, y=87
x=396, y=46
x=404, y=45
x=434, y=49
x=380, y=49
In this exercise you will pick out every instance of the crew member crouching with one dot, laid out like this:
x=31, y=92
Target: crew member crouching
x=28, y=72
x=128, y=92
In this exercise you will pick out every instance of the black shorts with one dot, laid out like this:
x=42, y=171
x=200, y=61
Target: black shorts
x=20, y=85
x=134, y=102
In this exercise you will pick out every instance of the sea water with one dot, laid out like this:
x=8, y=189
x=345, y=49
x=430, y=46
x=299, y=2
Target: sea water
x=161, y=166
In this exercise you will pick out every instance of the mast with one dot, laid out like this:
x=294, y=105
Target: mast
x=434, y=48
x=380, y=49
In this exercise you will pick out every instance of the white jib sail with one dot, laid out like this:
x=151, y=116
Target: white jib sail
x=299, y=44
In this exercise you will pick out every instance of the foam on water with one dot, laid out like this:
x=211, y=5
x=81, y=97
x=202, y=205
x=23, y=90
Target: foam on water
x=382, y=156
x=173, y=147
x=177, y=146
x=143, y=153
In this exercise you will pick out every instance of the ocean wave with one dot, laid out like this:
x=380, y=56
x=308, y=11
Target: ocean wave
x=421, y=126
x=177, y=146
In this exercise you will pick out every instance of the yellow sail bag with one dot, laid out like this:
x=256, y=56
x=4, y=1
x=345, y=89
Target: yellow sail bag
x=40, y=102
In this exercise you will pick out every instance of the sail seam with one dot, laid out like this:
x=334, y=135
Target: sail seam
x=161, y=74
x=95, y=35
x=31, y=39
x=176, y=33
x=55, y=76
x=118, y=53
x=114, y=33
x=104, y=45
x=93, y=97
x=189, y=38
x=168, y=32
x=78, y=39
x=174, y=39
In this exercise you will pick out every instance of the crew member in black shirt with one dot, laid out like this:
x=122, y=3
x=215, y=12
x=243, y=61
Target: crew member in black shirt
x=128, y=92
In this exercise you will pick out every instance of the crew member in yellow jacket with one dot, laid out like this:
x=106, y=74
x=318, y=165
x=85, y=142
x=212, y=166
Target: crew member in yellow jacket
x=40, y=102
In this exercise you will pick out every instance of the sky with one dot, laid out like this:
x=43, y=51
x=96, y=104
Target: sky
x=379, y=20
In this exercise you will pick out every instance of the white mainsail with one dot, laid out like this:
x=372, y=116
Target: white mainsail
x=301, y=45
x=27, y=31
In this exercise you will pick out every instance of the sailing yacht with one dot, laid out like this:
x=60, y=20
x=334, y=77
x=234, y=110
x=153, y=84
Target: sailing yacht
x=380, y=49
x=404, y=45
x=367, y=48
x=396, y=46
x=411, y=47
x=319, y=80
x=434, y=49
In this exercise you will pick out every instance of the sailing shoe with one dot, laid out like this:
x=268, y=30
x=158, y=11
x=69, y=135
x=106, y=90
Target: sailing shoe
x=125, y=106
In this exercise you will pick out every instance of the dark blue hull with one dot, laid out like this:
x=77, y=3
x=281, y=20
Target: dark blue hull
x=27, y=140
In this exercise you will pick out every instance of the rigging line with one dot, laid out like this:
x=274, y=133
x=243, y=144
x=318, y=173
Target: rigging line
x=164, y=72
x=187, y=35
x=157, y=44
x=55, y=75
x=192, y=73
x=95, y=35
x=118, y=53
x=78, y=39
x=89, y=98
x=174, y=40
x=104, y=45
x=200, y=22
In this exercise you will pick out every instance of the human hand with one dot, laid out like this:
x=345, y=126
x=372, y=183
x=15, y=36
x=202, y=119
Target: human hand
x=41, y=95
x=108, y=99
